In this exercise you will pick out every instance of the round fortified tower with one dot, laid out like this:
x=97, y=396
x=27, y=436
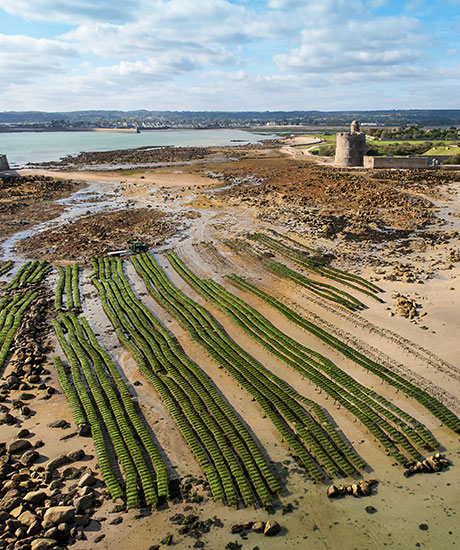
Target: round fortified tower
x=351, y=147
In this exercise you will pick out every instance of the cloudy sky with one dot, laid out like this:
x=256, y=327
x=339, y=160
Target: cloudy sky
x=229, y=54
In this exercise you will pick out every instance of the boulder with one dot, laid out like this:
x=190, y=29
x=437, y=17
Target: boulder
x=365, y=488
x=87, y=480
x=332, y=491
x=36, y=498
x=258, y=526
x=29, y=457
x=59, y=424
x=19, y=446
x=27, y=518
x=272, y=528
x=84, y=429
x=7, y=418
x=10, y=500
x=83, y=503
x=76, y=455
x=34, y=529
x=57, y=462
x=42, y=544
x=58, y=514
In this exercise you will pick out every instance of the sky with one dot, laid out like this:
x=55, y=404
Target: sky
x=229, y=55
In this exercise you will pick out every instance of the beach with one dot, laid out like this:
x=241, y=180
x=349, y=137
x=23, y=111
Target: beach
x=396, y=229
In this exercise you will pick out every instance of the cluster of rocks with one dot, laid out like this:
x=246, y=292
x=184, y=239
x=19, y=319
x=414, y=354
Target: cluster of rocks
x=42, y=508
x=405, y=307
x=192, y=526
x=361, y=489
x=26, y=368
x=269, y=528
x=434, y=463
x=406, y=273
x=454, y=255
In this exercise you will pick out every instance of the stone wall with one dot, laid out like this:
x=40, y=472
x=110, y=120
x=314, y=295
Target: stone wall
x=397, y=162
x=4, y=163
x=350, y=149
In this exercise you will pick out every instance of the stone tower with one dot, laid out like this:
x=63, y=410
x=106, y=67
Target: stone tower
x=351, y=147
x=4, y=163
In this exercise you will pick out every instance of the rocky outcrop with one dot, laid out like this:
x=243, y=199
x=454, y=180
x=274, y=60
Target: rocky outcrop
x=361, y=489
x=434, y=463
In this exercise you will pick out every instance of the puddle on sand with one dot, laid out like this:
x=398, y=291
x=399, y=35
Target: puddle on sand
x=89, y=200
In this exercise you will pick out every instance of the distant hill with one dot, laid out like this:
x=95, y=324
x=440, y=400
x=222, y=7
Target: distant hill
x=424, y=117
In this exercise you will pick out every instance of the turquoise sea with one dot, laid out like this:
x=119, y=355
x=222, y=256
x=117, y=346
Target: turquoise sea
x=24, y=147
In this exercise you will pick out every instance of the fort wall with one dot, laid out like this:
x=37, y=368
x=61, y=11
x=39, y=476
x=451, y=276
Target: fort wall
x=397, y=162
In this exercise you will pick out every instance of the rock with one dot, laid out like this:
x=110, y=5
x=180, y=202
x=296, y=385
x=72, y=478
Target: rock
x=272, y=528
x=71, y=473
x=36, y=498
x=22, y=433
x=12, y=382
x=365, y=488
x=332, y=491
x=52, y=533
x=87, y=480
x=28, y=518
x=236, y=529
x=57, y=462
x=19, y=446
x=82, y=521
x=29, y=457
x=74, y=456
x=84, y=429
x=34, y=529
x=16, y=512
x=42, y=544
x=59, y=424
x=116, y=521
x=258, y=526
x=10, y=500
x=355, y=490
x=58, y=514
x=83, y=503
x=26, y=396
x=7, y=418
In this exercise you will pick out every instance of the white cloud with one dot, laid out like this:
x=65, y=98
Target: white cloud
x=23, y=58
x=343, y=44
x=71, y=11
x=216, y=54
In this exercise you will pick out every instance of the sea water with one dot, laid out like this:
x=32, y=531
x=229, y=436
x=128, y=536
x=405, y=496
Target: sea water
x=32, y=147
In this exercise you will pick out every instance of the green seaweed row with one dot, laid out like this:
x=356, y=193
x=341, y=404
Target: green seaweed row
x=361, y=401
x=349, y=279
x=202, y=415
x=323, y=290
x=29, y=273
x=6, y=267
x=80, y=383
x=439, y=410
x=298, y=428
